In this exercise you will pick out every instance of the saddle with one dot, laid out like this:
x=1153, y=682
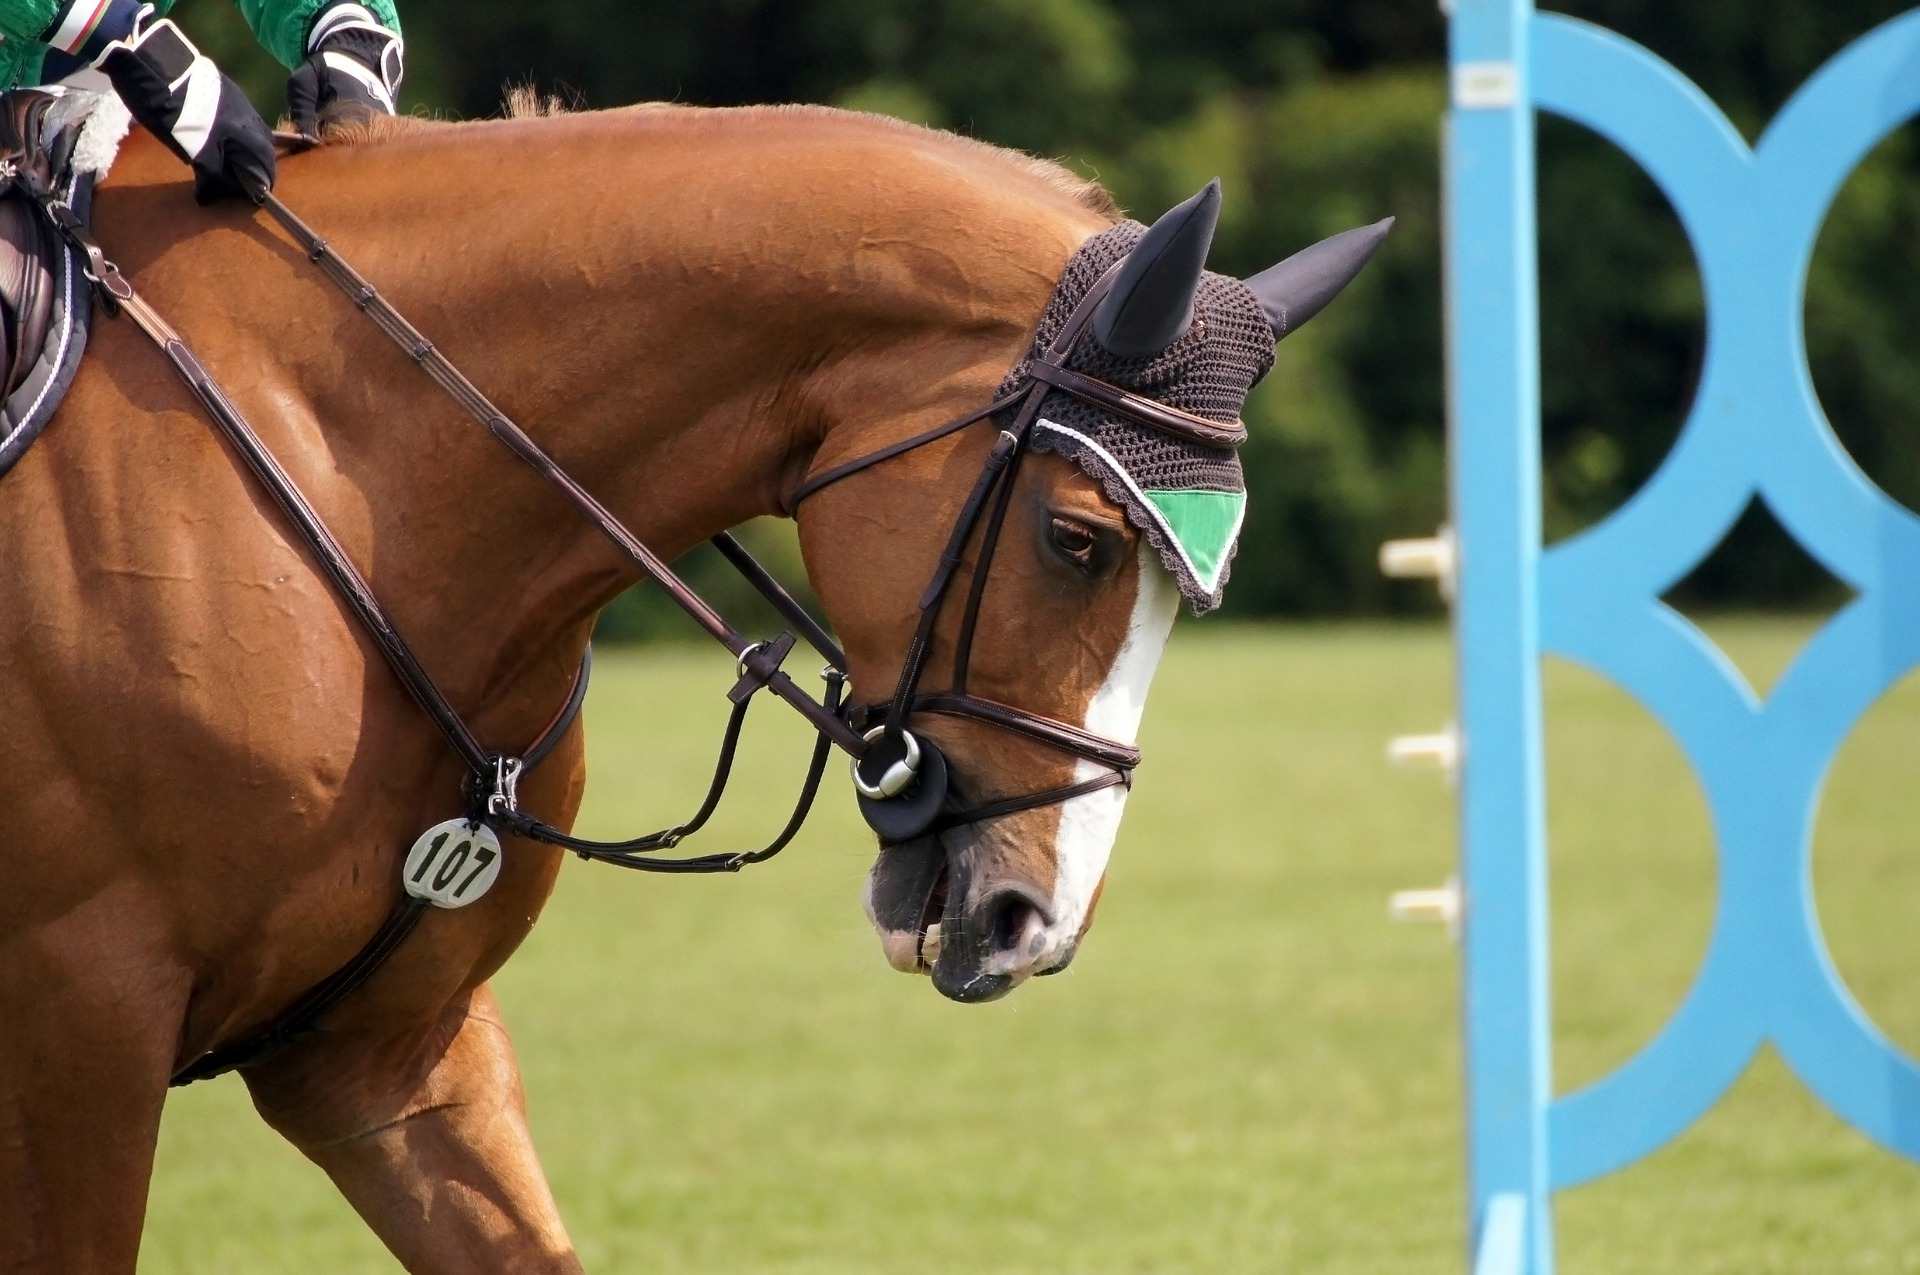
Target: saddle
x=44, y=300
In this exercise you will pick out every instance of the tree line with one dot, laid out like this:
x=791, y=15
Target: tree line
x=1318, y=114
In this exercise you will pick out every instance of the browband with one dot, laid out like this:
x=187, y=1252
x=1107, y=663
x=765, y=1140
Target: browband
x=1138, y=408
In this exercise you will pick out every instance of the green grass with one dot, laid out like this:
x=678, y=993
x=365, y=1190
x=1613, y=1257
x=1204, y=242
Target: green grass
x=1249, y=1069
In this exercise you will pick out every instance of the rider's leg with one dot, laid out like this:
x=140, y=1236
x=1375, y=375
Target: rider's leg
x=427, y=1136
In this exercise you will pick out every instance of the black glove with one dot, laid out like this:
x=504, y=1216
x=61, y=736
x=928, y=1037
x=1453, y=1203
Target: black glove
x=200, y=114
x=353, y=69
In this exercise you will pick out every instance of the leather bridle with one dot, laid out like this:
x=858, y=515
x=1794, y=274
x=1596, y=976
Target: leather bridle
x=902, y=780
x=901, y=777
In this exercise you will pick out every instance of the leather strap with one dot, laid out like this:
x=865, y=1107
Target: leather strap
x=1033, y=800
x=301, y=1017
x=835, y=473
x=351, y=587
x=557, y=727
x=632, y=853
x=1140, y=409
x=914, y=661
x=1056, y=734
x=482, y=409
x=776, y=594
x=989, y=543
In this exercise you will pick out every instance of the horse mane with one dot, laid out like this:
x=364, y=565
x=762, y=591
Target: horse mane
x=1085, y=191
x=524, y=102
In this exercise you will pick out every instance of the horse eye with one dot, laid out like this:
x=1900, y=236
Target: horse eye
x=1073, y=540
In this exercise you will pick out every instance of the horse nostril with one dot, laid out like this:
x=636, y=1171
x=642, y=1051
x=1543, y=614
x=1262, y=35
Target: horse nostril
x=1013, y=924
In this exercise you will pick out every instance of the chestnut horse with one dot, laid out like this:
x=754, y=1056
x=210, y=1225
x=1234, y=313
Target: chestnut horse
x=213, y=774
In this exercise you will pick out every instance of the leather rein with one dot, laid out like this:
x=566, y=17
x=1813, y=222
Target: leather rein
x=901, y=778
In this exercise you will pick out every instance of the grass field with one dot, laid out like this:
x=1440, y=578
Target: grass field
x=1249, y=1068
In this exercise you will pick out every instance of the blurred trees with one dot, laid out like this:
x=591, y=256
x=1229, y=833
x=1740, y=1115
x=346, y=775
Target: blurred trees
x=1319, y=114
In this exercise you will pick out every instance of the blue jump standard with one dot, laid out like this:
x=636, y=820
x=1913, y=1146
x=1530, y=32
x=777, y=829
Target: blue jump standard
x=1755, y=429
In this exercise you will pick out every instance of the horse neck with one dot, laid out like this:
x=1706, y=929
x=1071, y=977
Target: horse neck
x=681, y=312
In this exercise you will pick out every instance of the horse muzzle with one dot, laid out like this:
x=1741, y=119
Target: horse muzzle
x=978, y=940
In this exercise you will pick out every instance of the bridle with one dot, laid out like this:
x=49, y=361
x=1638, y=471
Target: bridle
x=901, y=778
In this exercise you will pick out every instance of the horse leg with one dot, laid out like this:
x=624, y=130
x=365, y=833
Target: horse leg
x=427, y=1137
x=92, y=1023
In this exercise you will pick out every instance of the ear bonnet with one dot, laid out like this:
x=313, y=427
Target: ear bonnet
x=1187, y=498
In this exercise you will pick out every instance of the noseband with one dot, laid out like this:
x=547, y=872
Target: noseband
x=902, y=779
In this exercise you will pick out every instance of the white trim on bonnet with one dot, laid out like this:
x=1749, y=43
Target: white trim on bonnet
x=1153, y=511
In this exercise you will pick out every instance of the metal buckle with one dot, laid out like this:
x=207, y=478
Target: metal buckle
x=505, y=797
x=897, y=776
x=771, y=653
x=747, y=654
x=838, y=683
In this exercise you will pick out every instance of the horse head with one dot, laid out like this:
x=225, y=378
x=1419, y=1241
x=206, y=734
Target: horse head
x=1001, y=790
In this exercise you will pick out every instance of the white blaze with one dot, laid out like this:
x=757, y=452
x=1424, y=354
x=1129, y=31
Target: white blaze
x=1089, y=824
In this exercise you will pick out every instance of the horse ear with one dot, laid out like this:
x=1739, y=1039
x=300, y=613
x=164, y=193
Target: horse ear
x=1300, y=287
x=1150, y=305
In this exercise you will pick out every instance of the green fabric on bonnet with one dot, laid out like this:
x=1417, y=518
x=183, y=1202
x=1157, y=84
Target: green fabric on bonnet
x=1206, y=524
x=281, y=26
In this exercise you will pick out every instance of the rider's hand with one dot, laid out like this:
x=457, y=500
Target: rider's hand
x=353, y=69
x=200, y=114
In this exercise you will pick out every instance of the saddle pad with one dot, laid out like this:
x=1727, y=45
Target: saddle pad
x=83, y=133
x=28, y=409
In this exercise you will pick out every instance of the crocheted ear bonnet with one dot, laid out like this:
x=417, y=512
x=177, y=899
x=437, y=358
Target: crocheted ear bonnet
x=1187, y=498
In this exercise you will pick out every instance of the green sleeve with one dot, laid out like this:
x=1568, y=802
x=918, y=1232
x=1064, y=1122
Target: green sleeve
x=26, y=19
x=281, y=25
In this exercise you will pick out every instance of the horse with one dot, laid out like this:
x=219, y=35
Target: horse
x=213, y=775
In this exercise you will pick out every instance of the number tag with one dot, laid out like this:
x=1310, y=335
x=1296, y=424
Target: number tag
x=452, y=864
